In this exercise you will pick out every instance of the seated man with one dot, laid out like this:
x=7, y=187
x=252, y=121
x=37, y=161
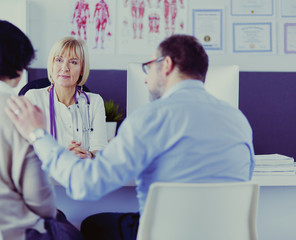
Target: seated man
x=185, y=135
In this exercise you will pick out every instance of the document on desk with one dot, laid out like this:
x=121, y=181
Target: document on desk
x=274, y=173
x=277, y=168
x=273, y=164
x=273, y=159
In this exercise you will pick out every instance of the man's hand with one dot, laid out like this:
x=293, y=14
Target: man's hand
x=25, y=116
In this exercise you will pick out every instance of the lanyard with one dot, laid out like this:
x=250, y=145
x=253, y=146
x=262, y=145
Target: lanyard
x=53, y=127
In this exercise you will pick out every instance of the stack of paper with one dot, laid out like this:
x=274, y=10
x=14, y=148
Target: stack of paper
x=273, y=164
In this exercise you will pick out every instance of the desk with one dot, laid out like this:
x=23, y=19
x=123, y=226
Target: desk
x=121, y=200
x=276, y=212
x=277, y=207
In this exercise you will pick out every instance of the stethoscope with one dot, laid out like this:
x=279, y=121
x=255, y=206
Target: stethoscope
x=84, y=117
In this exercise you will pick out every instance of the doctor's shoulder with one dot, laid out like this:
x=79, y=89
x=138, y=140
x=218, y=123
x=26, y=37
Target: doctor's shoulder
x=37, y=95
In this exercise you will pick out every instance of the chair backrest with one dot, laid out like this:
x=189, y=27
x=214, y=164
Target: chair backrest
x=40, y=83
x=224, y=211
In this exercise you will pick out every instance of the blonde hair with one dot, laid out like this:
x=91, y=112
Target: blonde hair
x=74, y=48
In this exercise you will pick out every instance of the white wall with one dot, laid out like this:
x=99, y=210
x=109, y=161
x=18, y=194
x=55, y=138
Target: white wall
x=49, y=21
x=250, y=61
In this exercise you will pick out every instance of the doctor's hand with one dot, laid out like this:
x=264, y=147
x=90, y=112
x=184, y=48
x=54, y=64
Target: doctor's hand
x=76, y=148
x=25, y=116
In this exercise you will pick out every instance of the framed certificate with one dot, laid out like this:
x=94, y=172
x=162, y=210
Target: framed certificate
x=290, y=38
x=207, y=27
x=252, y=37
x=252, y=7
x=288, y=8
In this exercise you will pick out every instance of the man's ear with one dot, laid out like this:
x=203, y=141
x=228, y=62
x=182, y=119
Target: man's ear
x=168, y=65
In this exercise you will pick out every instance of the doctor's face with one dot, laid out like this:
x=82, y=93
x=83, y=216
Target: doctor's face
x=66, y=70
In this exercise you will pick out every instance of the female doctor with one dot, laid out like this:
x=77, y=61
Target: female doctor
x=75, y=119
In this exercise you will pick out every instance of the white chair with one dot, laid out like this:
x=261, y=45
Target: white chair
x=193, y=211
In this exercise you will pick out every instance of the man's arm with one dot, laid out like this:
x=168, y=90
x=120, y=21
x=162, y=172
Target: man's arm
x=122, y=159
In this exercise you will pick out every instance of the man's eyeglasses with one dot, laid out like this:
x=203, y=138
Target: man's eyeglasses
x=146, y=65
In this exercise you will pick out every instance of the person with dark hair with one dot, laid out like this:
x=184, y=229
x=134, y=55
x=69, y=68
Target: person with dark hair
x=184, y=135
x=188, y=54
x=26, y=195
x=16, y=51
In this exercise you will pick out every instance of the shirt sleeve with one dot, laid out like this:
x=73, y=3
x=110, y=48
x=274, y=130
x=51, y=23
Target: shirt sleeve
x=89, y=179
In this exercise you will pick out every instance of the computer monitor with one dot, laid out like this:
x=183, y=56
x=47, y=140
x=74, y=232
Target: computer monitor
x=221, y=81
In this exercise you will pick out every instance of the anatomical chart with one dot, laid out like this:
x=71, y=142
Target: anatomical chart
x=93, y=21
x=143, y=24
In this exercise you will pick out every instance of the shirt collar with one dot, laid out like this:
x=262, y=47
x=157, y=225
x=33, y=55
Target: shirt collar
x=4, y=87
x=188, y=83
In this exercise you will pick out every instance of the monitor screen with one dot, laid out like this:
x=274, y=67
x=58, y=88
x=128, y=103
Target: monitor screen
x=221, y=81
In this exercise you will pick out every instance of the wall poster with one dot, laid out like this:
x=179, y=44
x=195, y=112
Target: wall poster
x=93, y=21
x=143, y=24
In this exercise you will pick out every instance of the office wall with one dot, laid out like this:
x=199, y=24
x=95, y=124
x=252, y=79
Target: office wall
x=50, y=20
x=274, y=61
x=267, y=80
x=267, y=99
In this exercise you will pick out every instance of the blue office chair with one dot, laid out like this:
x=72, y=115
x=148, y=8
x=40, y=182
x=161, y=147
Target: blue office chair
x=41, y=83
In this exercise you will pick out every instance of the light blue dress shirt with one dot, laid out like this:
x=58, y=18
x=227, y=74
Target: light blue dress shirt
x=186, y=136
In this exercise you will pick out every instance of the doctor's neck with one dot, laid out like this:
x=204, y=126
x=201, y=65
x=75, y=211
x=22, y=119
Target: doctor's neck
x=65, y=95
